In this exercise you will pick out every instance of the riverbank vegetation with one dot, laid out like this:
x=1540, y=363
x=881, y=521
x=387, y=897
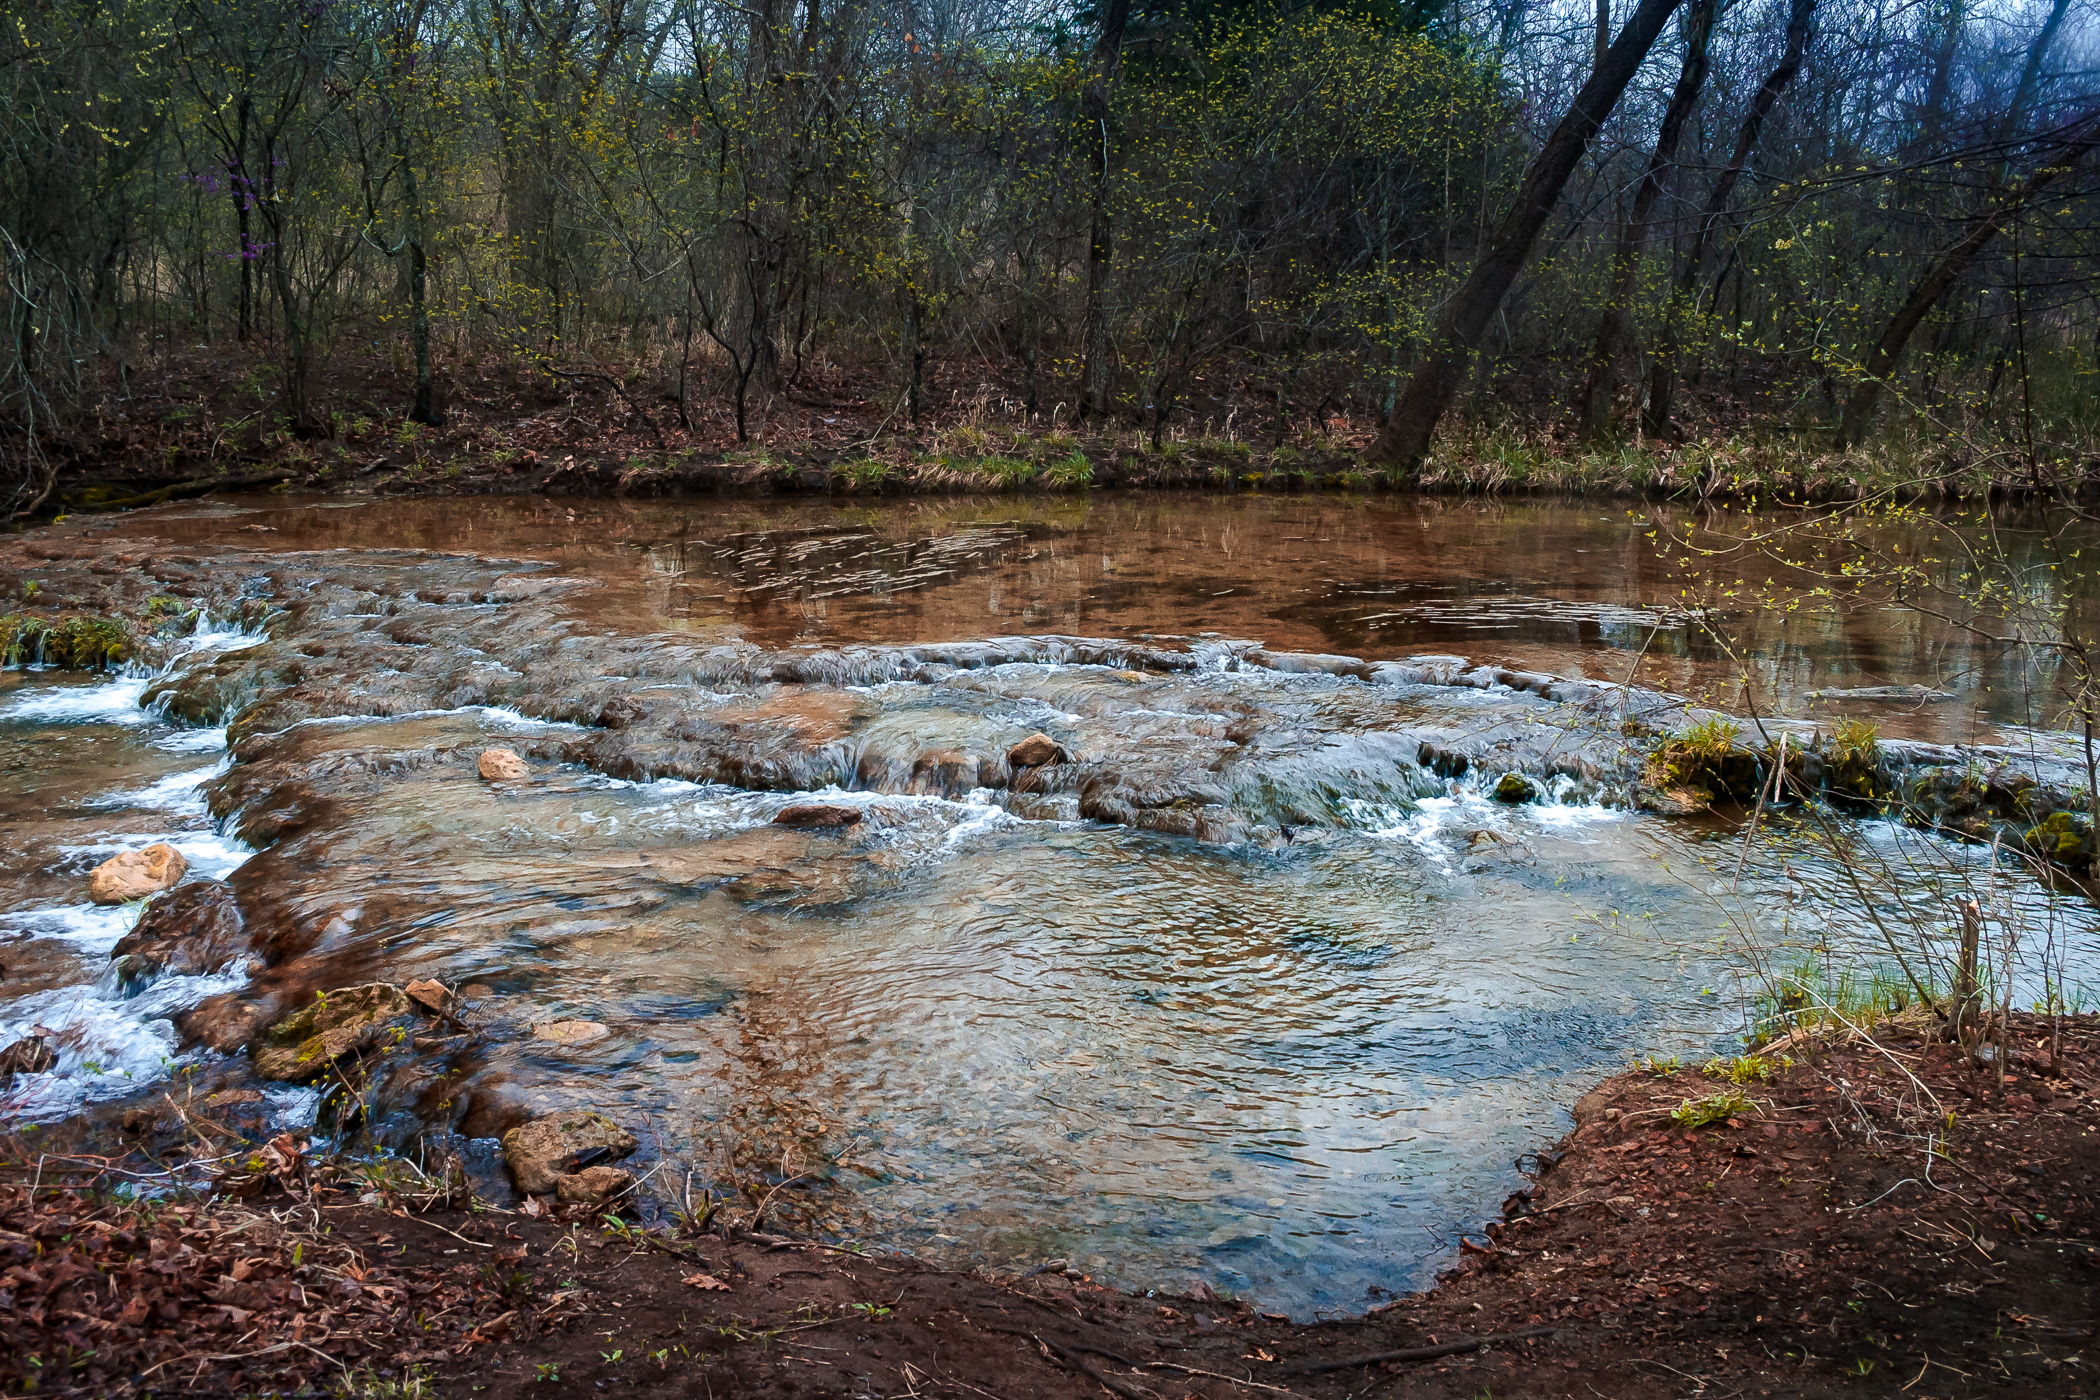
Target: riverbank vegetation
x=1674, y=248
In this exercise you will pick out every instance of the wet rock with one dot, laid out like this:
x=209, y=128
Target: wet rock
x=1674, y=802
x=194, y=930
x=1307, y=663
x=1036, y=751
x=542, y=1152
x=592, y=1185
x=334, y=1024
x=429, y=994
x=1515, y=788
x=503, y=766
x=30, y=1055
x=571, y=1033
x=803, y=815
x=137, y=874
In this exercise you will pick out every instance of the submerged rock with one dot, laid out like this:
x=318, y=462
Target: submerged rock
x=1036, y=751
x=30, y=1055
x=572, y=1032
x=803, y=815
x=334, y=1024
x=592, y=1185
x=193, y=930
x=542, y=1152
x=503, y=766
x=137, y=874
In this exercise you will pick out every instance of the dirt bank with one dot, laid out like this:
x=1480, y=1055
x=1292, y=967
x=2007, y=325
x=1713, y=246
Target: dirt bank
x=1874, y=1219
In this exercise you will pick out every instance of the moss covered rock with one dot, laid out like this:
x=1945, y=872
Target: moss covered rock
x=334, y=1024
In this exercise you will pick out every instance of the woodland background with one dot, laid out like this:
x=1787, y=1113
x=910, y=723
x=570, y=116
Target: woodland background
x=1248, y=221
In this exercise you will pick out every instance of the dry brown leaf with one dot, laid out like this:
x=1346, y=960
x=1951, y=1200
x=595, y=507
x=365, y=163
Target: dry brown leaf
x=706, y=1282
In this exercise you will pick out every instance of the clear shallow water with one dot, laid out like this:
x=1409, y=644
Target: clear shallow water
x=1295, y=1072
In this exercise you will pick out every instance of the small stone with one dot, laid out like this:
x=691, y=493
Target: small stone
x=136, y=874
x=342, y=1022
x=30, y=1055
x=503, y=766
x=813, y=814
x=592, y=1185
x=545, y=1150
x=571, y=1033
x=1515, y=788
x=1036, y=751
x=428, y=994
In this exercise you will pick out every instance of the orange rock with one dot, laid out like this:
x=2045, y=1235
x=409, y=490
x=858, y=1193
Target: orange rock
x=136, y=874
x=503, y=766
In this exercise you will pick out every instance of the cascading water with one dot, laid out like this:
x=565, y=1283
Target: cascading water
x=1262, y=985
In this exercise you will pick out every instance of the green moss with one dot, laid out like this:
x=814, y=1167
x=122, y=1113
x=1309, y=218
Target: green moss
x=1515, y=787
x=73, y=642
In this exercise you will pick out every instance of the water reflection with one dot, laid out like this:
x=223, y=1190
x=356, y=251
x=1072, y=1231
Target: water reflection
x=1572, y=588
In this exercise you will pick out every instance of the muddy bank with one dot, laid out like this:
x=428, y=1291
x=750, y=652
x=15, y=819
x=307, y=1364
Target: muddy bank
x=1885, y=1219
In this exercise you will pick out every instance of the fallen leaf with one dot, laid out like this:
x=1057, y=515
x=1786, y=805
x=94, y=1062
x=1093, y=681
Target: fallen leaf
x=706, y=1282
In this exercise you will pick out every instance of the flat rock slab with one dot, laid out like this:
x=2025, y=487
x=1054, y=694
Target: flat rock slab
x=805, y=815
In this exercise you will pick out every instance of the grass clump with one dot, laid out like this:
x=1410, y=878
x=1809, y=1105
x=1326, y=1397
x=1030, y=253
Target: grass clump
x=1004, y=471
x=1852, y=760
x=867, y=474
x=1714, y=1108
x=71, y=643
x=1745, y=1069
x=1706, y=760
x=1073, y=469
x=1812, y=996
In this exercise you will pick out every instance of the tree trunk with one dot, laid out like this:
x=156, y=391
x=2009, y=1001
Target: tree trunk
x=1593, y=407
x=1093, y=374
x=1662, y=370
x=1950, y=265
x=1405, y=440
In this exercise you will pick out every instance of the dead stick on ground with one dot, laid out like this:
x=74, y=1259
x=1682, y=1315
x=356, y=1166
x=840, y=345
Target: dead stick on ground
x=1219, y=1376
x=1093, y=1372
x=1463, y=1344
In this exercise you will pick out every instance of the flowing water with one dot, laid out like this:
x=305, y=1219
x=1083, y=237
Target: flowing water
x=1265, y=997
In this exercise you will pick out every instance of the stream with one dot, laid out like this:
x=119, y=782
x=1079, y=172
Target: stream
x=1271, y=993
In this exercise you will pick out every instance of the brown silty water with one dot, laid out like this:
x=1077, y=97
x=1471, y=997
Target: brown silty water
x=1259, y=986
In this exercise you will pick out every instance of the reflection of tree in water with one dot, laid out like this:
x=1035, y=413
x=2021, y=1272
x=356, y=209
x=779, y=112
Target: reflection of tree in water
x=772, y=1156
